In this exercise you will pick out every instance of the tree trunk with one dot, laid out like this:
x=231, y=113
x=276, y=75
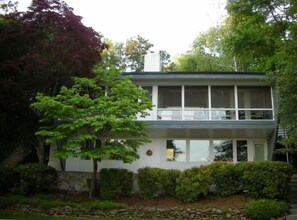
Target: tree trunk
x=39, y=147
x=94, y=176
x=94, y=180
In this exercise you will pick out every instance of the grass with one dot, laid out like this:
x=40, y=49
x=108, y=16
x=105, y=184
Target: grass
x=18, y=216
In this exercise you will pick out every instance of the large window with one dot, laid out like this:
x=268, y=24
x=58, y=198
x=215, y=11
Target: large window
x=176, y=150
x=222, y=97
x=169, y=96
x=188, y=150
x=196, y=96
x=199, y=151
x=223, y=150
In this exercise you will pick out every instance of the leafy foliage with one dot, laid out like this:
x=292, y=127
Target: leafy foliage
x=9, y=177
x=169, y=181
x=41, y=49
x=193, y=184
x=266, y=179
x=225, y=178
x=35, y=178
x=26, y=179
x=45, y=202
x=266, y=209
x=95, y=124
x=114, y=183
x=150, y=182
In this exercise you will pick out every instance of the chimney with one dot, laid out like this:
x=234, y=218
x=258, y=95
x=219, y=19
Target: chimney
x=152, y=62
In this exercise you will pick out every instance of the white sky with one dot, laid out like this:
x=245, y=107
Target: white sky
x=170, y=25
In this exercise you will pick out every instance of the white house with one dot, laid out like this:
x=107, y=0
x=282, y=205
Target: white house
x=198, y=118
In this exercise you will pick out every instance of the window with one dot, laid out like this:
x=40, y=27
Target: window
x=241, y=146
x=254, y=97
x=199, y=151
x=169, y=96
x=196, y=96
x=222, y=97
x=223, y=150
x=176, y=150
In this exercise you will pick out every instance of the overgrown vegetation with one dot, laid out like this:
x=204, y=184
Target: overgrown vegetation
x=260, y=179
x=46, y=202
x=114, y=183
x=193, y=184
x=266, y=209
x=26, y=179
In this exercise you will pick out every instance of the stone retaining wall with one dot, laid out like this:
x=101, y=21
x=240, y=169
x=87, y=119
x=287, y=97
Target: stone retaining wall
x=72, y=181
x=150, y=212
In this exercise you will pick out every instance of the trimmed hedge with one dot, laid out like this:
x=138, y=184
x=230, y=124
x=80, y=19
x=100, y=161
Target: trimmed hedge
x=169, y=183
x=150, y=182
x=193, y=184
x=225, y=178
x=26, y=179
x=9, y=177
x=265, y=179
x=266, y=209
x=115, y=182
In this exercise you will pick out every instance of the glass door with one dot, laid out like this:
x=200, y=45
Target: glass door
x=259, y=152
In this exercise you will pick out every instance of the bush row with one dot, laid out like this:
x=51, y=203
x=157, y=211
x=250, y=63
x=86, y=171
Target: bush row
x=26, y=179
x=261, y=179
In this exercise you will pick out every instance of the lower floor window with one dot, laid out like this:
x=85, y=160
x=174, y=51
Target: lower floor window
x=223, y=150
x=205, y=151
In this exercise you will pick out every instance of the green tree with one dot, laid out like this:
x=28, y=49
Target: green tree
x=207, y=53
x=135, y=50
x=264, y=35
x=40, y=50
x=114, y=56
x=95, y=124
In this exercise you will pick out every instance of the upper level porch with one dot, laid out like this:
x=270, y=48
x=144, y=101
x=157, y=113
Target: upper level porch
x=210, y=102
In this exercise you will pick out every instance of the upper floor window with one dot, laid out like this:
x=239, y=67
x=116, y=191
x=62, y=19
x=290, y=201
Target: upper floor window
x=254, y=97
x=222, y=97
x=196, y=96
x=169, y=96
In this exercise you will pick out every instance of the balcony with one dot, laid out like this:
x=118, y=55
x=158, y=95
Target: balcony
x=198, y=114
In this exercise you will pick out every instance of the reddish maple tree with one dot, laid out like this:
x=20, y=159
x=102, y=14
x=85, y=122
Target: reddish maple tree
x=40, y=50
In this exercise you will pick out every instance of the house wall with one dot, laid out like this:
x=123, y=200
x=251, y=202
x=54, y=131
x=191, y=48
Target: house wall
x=157, y=159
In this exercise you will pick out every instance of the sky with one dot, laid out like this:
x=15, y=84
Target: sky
x=170, y=25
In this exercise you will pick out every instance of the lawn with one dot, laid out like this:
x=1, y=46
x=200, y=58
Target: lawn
x=10, y=215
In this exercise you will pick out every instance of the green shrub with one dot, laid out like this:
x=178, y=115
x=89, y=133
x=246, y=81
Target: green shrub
x=266, y=209
x=35, y=178
x=225, y=178
x=168, y=183
x=104, y=205
x=150, y=181
x=115, y=182
x=193, y=183
x=9, y=177
x=266, y=179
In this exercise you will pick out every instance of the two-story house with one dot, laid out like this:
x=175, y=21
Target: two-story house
x=199, y=118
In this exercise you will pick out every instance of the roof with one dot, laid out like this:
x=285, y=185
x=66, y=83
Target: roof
x=195, y=75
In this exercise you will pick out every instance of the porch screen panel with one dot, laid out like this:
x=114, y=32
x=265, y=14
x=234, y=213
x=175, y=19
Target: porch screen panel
x=196, y=96
x=169, y=96
x=222, y=97
x=254, y=97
